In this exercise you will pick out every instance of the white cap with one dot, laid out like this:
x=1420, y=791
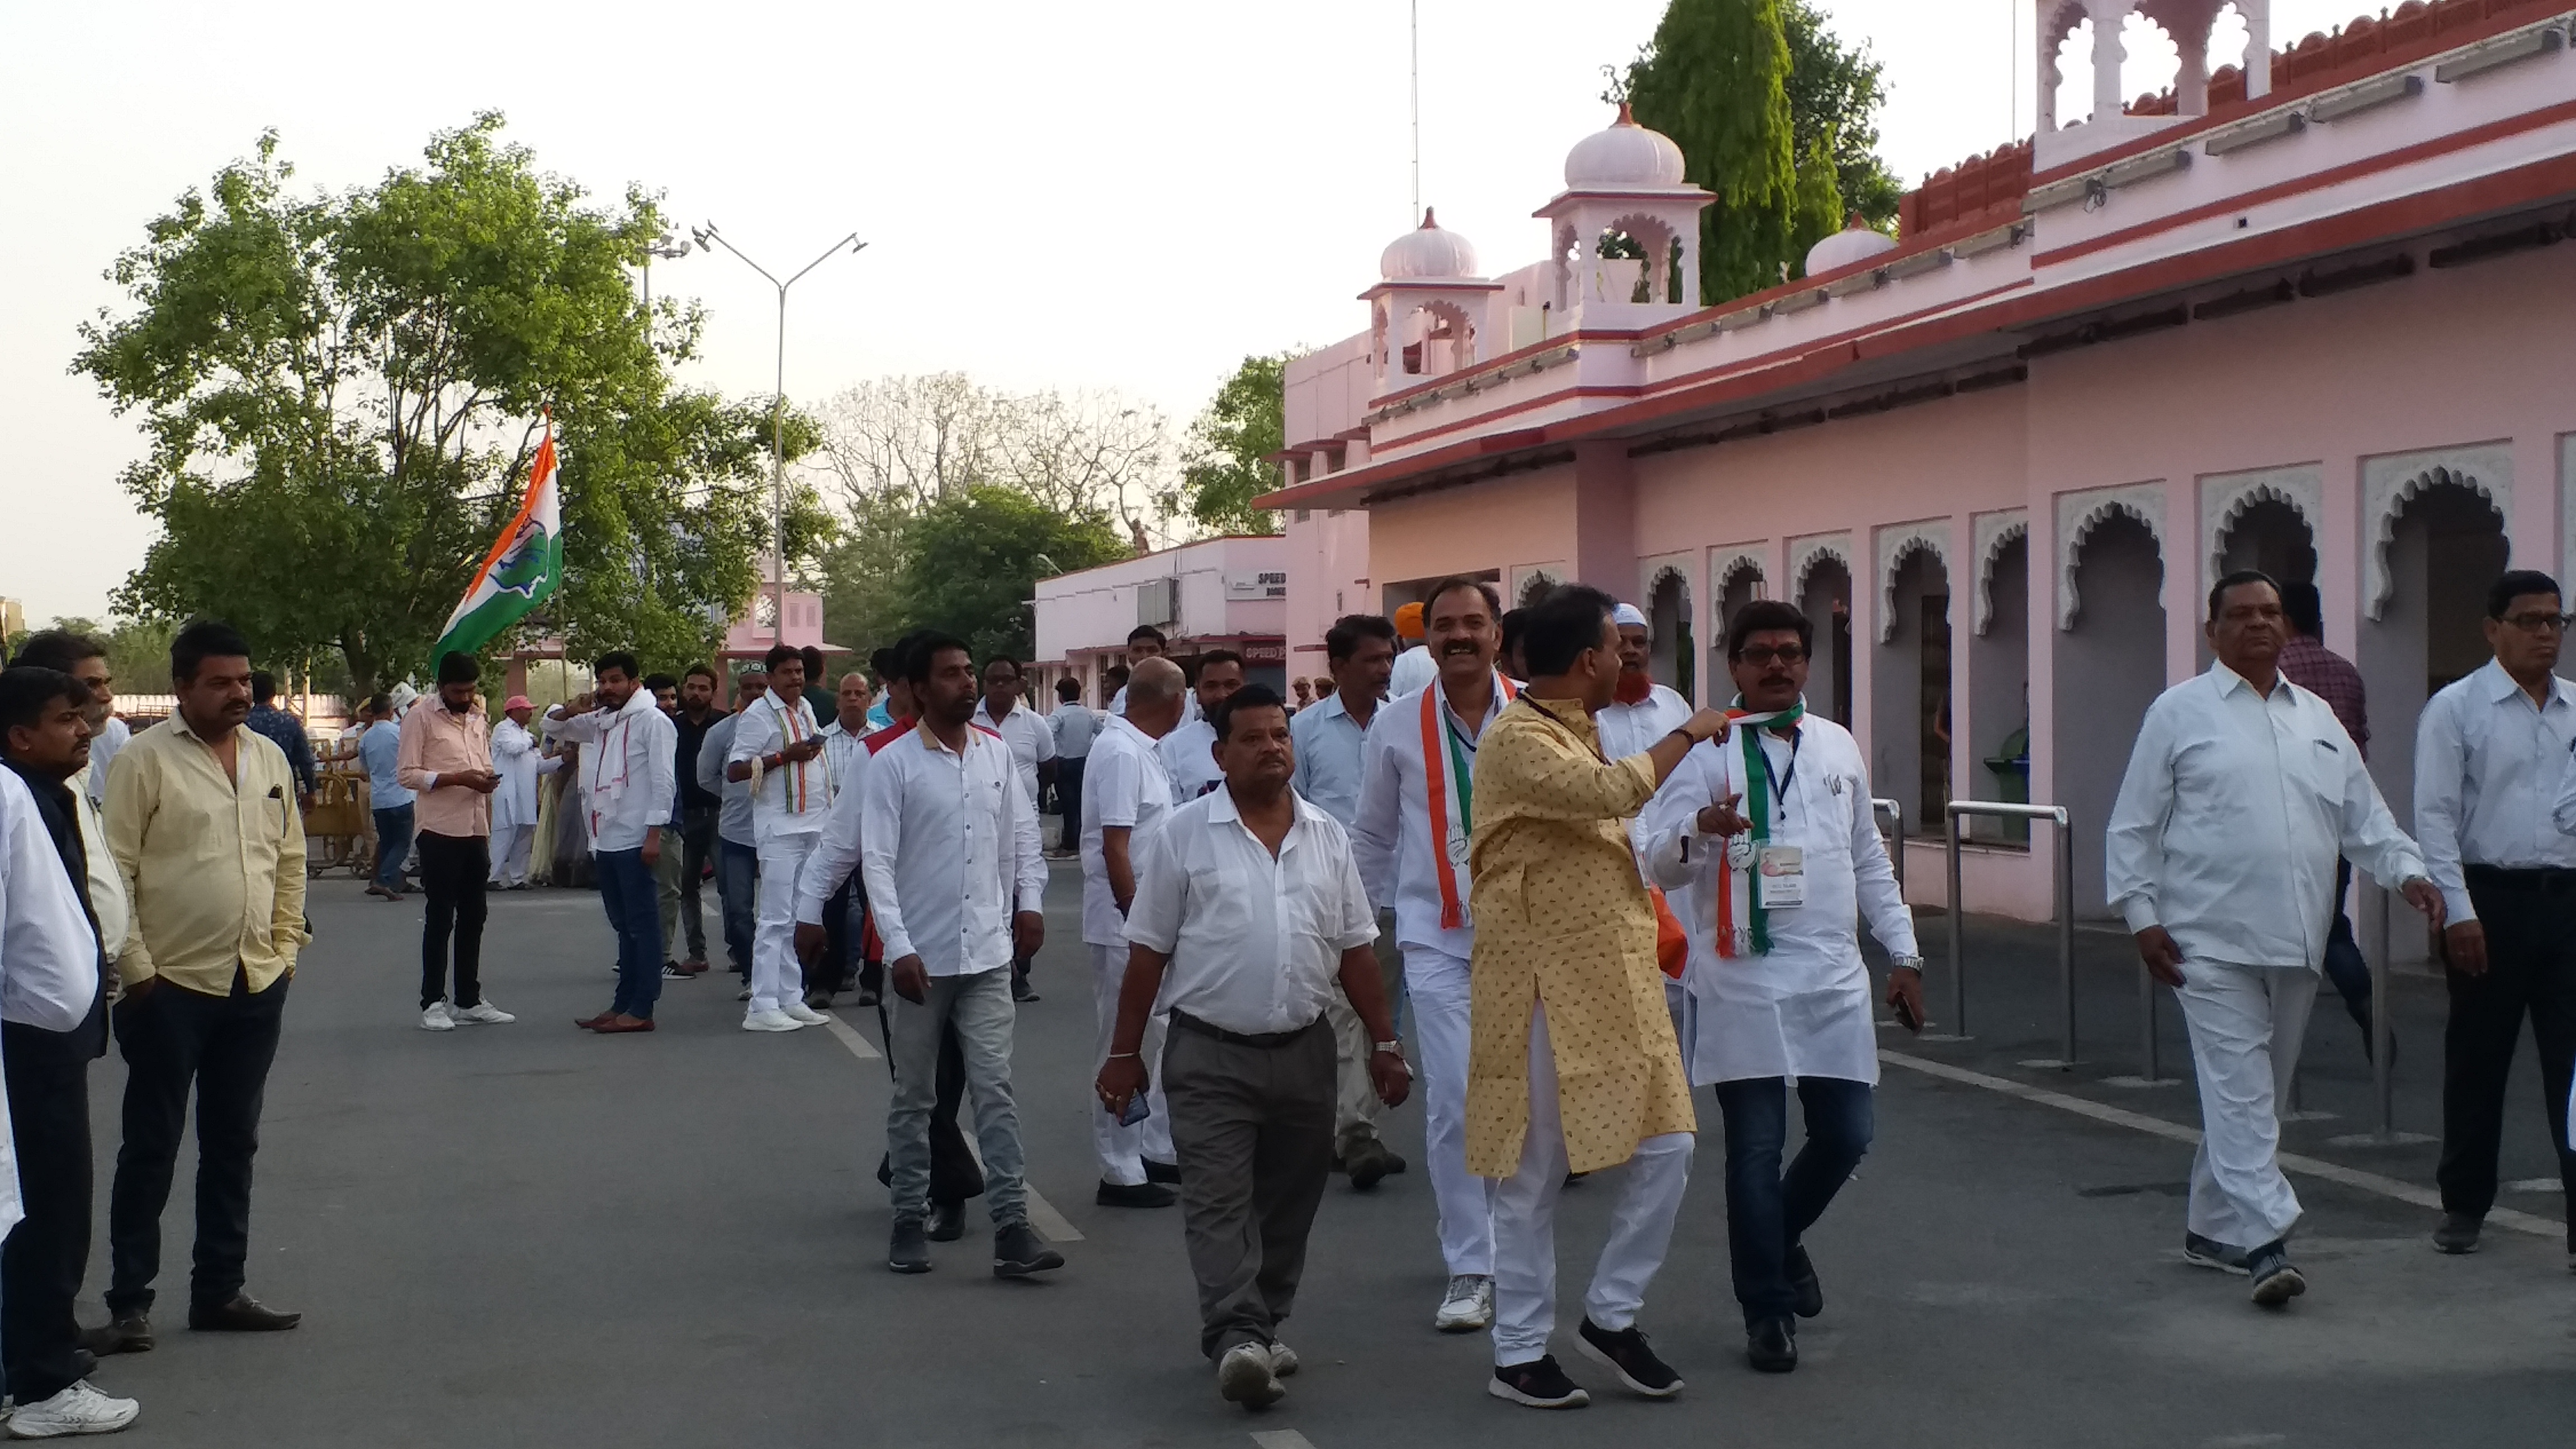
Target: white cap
x=1627, y=614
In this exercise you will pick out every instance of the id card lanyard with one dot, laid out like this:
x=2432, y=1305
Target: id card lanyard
x=1780, y=783
x=1458, y=771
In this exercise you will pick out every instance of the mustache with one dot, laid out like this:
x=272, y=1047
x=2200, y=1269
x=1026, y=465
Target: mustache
x=1457, y=646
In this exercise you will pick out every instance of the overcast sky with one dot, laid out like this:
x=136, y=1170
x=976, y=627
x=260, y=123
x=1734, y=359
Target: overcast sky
x=1126, y=194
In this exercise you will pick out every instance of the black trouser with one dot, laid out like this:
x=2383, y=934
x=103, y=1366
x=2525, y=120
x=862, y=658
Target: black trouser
x=41, y=1267
x=697, y=847
x=1068, y=800
x=840, y=940
x=453, y=871
x=2530, y=922
x=174, y=1039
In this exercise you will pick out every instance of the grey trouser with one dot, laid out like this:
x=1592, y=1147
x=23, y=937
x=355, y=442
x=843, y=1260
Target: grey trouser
x=1253, y=1126
x=980, y=1006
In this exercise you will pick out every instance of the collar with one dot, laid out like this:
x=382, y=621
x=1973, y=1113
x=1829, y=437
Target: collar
x=43, y=787
x=2229, y=681
x=1567, y=712
x=931, y=742
x=1492, y=710
x=984, y=711
x=1334, y=704
x=2498, y=686
x=1221, y=808
x=179, y=727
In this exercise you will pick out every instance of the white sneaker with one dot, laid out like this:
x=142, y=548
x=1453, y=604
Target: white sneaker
x=772, y=1020
x=1283, y=1360
x=482, y=1011
x=804, y=1015
x=1244, y=1376
x=1468, y=1306
x=79, y=1409
x=434, y=1017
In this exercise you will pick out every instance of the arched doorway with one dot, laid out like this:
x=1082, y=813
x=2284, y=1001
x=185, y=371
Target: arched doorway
x=2444, y=546
x=1999, y=691
x=2110, y=667
x=1826, y=600
x=2270, y=535
x=1910, y=694
x=1738, y=583
x=1671, y=659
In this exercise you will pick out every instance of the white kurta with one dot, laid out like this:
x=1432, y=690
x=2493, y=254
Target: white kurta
x=1803, y=1010
x=516, y=761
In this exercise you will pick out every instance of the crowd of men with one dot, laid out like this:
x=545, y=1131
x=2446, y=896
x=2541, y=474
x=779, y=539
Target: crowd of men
x=1600, y=898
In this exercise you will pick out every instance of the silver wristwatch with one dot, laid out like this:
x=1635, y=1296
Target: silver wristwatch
x=1910, y=963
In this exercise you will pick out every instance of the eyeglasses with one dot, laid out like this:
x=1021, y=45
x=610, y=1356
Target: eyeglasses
x=2540, y=623
x=1761, y=654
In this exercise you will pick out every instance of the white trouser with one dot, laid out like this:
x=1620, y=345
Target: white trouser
x=2247, y=1023
x=776, y=978
x=1123, y=1149
x=1651, y=1183
x=510, y=845
x=1437, y=984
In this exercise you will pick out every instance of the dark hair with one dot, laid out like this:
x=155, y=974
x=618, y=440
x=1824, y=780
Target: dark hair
x=927, y=645
x=1217, y=656
x=26, y=689
x=881, y=663
x=1563, y=625
x=2237, y=580
x=263, y=686
x=203, y=640
x=657, y=681
x=1002, y=659
x=2305, y=610
x=57, y=649
x=1342, y=641
x=454, y=667
x=1148, y=631
x=1493, y=597
x=813, y=658
x=703, y=671
x=1116, y=677
x=783, y=654
x=620, y=660
x=1767, y=616
x=1068, y=688
x=1250, y=697
x=1515, y=624
x=380, y=704
x=903, y=648
x=2517, y=583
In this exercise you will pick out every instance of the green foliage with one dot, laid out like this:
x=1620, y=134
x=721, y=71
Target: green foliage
x=1226, y=465
x=1835, y=91
x=975, y=556
x=1820, y=200
x=342, y=395
x=864, y=608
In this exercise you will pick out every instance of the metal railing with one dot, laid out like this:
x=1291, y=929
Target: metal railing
x=2065, y=895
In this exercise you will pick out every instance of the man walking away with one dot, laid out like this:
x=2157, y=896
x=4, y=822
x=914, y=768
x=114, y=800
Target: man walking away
x=282, y=730
x=845, y=749
x=2489, y=749
x=520, y=765
x=954, y=875
x=58, y=916
x=380, y=750
x=696, y=825
x=1249, y=916
x=201, y=818
x=1128, y=796
x=2309, y=664
x=778, y=750
x=628, y=751
x=1032, y=745
x=737, y=838
x=1777, y=991
x=1074, y=726
x=1565, y=953
x=446, y=761
x=2241, y=790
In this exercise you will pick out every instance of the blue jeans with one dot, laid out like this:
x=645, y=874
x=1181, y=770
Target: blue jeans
x=980, y=1008
x=634, y=902
x=738, y=889
x=1767, y=1211
x=393, y=842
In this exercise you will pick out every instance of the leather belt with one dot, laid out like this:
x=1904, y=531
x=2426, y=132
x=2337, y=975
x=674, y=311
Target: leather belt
x=1187, y=1022
x=2538, y=879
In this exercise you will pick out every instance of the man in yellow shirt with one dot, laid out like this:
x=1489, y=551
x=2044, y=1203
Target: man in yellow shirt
x=202, y=821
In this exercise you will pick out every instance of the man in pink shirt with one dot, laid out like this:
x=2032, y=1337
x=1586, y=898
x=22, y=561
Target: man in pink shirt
x=445, y=759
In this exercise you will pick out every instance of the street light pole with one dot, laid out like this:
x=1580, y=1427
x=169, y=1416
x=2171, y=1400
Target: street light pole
x=668, y=250
x=709, y=239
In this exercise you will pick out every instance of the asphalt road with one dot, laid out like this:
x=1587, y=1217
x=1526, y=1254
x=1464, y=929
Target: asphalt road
x=527, y=1235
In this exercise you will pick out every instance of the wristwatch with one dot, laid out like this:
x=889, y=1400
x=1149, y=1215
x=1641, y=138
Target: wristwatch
x=1907, y=963
x=1396, y=1046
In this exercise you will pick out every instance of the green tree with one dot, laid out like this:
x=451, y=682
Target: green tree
x=976, y=554
x=1715, y=79
x=1225, y=464
x=1835, y=91
x=341, y=396
x=1820, y=200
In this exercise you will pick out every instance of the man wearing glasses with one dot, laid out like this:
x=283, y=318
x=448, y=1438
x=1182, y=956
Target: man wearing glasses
x=2489, y=751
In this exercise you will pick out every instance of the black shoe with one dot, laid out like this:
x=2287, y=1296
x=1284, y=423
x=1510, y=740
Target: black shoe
x=1018, y=1252
x=1772, y=1345
x=2203, y=1252
x=1366, y=1163
x=129, y=1333
x=240, y=1313
x=1394, y=1163
x=947, y=1221
x=1809, y=1294
x=1162, y=1171
x=2275, y=1281
x=1021, y=992
x=869, y=998
x=1625, y=1353
x=909, y=1252
x=2458, y=1233
x=1134, y=1195
x=1540, y=1385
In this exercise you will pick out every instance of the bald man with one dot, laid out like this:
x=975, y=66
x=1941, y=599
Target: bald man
x=1125, y=794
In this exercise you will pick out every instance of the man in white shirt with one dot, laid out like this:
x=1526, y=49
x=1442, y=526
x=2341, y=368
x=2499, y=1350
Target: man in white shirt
x=629, y=783
x=516, y=759
x=2221, y=856
x=950, y=858
x=1249, y=916
x=1643, y=711
x=1416, y=809
x=1360, y=651
x=778, y=750
x=1123, y=804
x=1777, y=991
x=1032, y=742
x=2490, y=750
x=1415, y=663
x=1075, y=726
x=1189, y=752
x=737, y=838
x=1147, y=642
x=845, y=749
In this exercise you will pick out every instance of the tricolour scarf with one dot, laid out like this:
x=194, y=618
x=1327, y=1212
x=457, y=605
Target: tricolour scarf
x=1436, y=769
x=1757, y=801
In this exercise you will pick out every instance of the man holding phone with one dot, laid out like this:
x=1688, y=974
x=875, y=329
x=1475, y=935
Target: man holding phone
x=444, y=757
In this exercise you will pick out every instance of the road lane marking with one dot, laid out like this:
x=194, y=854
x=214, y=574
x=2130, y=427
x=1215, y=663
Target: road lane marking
x=2370, y=1182
x=859, y=1046
x=1282, y=1439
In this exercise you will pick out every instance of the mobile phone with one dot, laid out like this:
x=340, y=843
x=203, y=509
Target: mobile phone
x=1136, y=1110
x=1903, y=1006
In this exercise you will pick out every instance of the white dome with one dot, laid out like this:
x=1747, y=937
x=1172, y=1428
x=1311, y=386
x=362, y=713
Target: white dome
x=1625, y=157
x=1428, y=252
x=1856, y=242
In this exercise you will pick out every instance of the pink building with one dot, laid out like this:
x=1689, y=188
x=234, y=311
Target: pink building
x=1217, y=593
x=2307, y=318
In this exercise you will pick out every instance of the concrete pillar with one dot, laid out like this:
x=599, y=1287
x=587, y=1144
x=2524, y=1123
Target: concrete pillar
x=2108, y=49
x=2258, y=46
x=1605, y=518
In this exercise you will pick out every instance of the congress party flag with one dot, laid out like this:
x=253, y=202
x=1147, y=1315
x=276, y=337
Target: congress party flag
x=524, y=567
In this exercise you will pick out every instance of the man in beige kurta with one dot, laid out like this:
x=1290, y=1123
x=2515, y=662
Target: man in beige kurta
x=1573, y=1064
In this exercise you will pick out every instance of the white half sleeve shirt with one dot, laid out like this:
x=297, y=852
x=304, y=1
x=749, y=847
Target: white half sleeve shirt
x=1123, y=784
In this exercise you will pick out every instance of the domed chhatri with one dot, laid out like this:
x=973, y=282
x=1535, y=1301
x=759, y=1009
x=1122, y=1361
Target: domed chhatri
x=1426, y=253
x=1856, y=242
x=1625, y=157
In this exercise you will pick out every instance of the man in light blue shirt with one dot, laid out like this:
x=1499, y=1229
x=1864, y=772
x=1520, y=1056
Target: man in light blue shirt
x=377, y=746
